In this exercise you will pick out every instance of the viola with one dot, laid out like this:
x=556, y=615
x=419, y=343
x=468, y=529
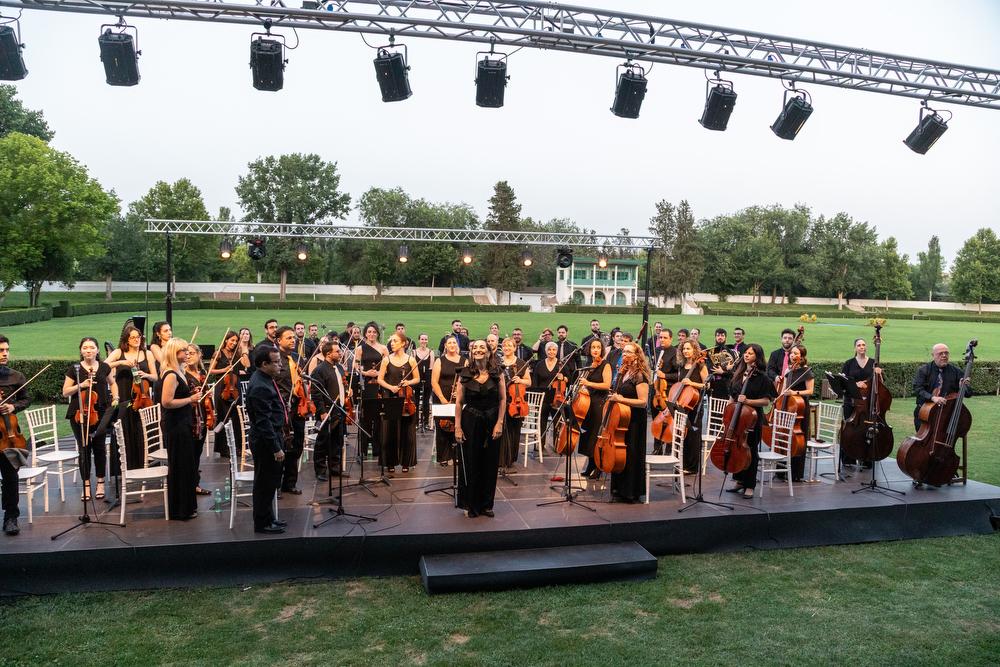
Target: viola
x=86, y=411
x=568, y=435
x=730, y=451
x=409, y=405
x=230, y=386
x=610, y=449
x=517, y=399
x=10, y=430
x=142, y=395
x=928, y=456
x=866, y=436
x=559, y=397
x=300, y=391
x=349, y=408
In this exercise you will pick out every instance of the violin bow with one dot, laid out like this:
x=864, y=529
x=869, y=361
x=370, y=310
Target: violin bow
x=33, y=378
x=215, y=358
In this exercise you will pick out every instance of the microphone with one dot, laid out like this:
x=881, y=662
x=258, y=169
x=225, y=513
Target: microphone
x=76, y=368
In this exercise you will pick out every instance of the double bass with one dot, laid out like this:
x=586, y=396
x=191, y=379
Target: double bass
x=866, y=436
x=730, y=452
x=610, y=449
x=929, y=457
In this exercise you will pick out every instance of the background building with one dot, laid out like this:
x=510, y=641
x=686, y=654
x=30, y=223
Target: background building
x=585, y=282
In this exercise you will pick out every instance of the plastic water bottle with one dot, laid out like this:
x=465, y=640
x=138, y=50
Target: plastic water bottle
x=227, y=492
x=217, y=497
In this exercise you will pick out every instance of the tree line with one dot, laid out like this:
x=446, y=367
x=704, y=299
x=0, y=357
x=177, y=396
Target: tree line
x=61, y=225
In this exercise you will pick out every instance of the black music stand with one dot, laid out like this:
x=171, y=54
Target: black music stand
x=569, y=419
x=699, y=481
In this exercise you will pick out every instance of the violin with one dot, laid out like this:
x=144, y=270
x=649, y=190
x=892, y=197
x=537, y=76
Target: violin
x=230, y=386
x=559, y=385
x=517, y=399
x=300, y=391
x=10, y=430
x=203, y=410
x=866, y=436
x=928, y=456
x=610, y=449
x=142, y=395
x=86, y=411
x=730, y=451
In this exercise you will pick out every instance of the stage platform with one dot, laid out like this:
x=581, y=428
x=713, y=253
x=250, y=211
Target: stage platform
x=151, y=553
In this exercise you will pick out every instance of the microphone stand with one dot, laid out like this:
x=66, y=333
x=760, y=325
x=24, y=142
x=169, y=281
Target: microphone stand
x=363, y=410
x=569, y=496
x=699, y=480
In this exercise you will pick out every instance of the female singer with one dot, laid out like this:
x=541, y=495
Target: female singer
x=368, y=354
x=759, y=394
x=161, y=334
x=131, y=364
x=425, y=362
x=90, y=373
x=399, y=440
x=860, y=368
x=229, y=363
x=597, y=381
x=633, y=391
x=697, y=379
x=177, y=398
x=194, y=371
x=800, y=378
x=480, y=404
x=443, y=378
x=516, y=372
x=547, y=370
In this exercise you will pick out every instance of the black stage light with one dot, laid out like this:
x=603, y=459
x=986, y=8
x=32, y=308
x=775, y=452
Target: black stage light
x=466, y=255
x=794, y=114
x=564, y=258
x=491, y=81
x=256, y=249
x=11, y=62
x=302, y=252
x=267, y=62
x=119, y=55
x=404, y=254
x=602, y=261
x=526, y=259
x=930, y=128
x=391, y=71
x=226, y=249
x=630, y=91
x=719, y=105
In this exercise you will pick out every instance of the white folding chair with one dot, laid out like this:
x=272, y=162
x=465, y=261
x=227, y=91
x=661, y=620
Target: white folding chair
x=672, y=464
x=236, y=477
x=826, y=445
x=244, y=422
x=713, y=427
x=43, y=430
x=309, y=442
x=152, y=435
x=779, y=457
x=532, y=428
x=35, y=479
x=140, y=475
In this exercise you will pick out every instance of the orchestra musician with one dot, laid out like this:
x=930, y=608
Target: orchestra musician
x=566, y=349
x=801, y=382
x=493, y=345
x=860, y=369
x=759, y=394
x=161, y=334
x=695, y=335
x=665, y=367
x=595, y=333
x=295, y=437
x=545, y=373
x=538, y=347
x=270, y=336
x=425, y=363
x=720, y=375
x=231, y=361
x=516, y=371
x=268, y=425
x=615, y=353
x=11, y=382
x=177, y=398
x=132, y=364
x=694, y=373
x=938, y=374
x=739, y=345
x=194, y=370
x=443, y=376
x=368, y=354
x=651, y=346
x=401, y=330
x=334, y=390
x=778, y=362
x=597, y=381
x=397, y=371
x=93, y=374
x=633, y=390
x=480, y=404
x=456, y=331
x=304, y=347
x=522, y=351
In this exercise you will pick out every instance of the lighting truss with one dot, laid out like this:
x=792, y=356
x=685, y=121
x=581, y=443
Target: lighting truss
x=399, y=234
x=600, y=32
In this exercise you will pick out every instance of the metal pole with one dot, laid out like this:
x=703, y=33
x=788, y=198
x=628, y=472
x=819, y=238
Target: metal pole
x=645, y=303
x=170, y=270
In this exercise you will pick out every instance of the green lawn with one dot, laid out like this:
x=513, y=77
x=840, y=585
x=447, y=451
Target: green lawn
x=904, y=340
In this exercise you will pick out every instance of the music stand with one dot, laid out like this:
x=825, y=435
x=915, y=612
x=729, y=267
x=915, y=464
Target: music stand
x=700, y=497
x=569, y=420
x=446, y=411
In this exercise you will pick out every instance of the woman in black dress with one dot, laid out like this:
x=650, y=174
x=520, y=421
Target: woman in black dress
x=759, y=394
x=633, y=391
x=399, y=430
x=480, y=404
x=692, y=372
x=132, y=364
x=368, y=355
x=860, y=368
x=225, y=372
x=516, y=371
x=544, y=375
x=443, y=384
x=799, y=382
x=90, y=373
x=161, y=334
x=596, y=381
x=425, y=362
x=177, y=416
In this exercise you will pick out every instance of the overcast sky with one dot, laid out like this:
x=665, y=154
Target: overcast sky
x=195, y=114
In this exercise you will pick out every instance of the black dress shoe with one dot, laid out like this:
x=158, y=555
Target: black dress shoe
x=272, y=529
x=10, y=526
x=294, y=492
x=322, y=477
x=279, y=522
x=488, y=513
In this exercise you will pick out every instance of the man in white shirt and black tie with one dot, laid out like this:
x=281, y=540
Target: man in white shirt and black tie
x=332, y=389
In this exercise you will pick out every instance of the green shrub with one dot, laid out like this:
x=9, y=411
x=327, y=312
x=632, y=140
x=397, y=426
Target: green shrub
x=615, y=310
x=381, y=305
x=16, y=316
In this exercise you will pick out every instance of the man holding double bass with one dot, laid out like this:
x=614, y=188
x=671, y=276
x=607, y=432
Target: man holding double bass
x=940, y=374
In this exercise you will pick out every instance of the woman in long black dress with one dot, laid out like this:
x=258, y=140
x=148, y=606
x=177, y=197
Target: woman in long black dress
x=516, y=372
x=633, y=391
x=544, y=375
x=692, y=372
x=759, y=394
x=480, y=404
x=225, y=372
x=799, y=382
x=596, y=381
x=443, y=379
x=177, y=415
x=860, y=369
x=131, y=364
x=93, y=374
x=425, y=362
x=368, y=355
x=161, y=334
x=398, y=371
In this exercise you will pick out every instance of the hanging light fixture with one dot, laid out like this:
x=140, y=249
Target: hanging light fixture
x=119, y=54
x=602, y=261
x=526, y=259
x=564, y=258
x=302, y=252
x=11, y=62
x=630, y=91
x=930, y=128
x=226, y=249
x=466, y=255
x=391, y=70
x=256, y=249
x=267, y=59
x=491, y=78
x=404, y=254
x=719, y=103
x=795, y=112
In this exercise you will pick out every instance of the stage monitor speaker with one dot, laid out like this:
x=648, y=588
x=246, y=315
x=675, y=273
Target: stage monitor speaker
x=121, y=64
x=491, y=81
x=629, y=94
x=718, y=107
x=11, y=62
x=393, y=79
x=267, y=64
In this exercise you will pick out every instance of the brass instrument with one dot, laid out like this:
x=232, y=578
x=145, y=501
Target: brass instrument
x=722, y=359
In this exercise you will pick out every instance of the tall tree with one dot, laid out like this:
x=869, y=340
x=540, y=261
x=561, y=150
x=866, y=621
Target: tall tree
x=789, y=229
x=891, y=273
x=927, y=274
x=504, y=272
x=299, y=189
x=678, y=266
x=840, y=262
x=743, y=253
x=51, y=212
x=975, y=276
x=15, y=117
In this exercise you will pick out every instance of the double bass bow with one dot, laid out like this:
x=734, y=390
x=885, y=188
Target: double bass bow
x=730, y=451
x=866, y=436
x=929, y=457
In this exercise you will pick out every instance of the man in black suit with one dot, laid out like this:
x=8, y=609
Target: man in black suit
x=522, y=351
x=11, y=382
x=595, y=332
x=463, y=341
x=333, y=389
x=739, y=345
x=268, y=420
x=937, y=374
x=778, y=362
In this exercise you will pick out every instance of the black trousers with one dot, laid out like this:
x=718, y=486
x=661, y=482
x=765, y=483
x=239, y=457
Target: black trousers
x=748, y=478
x=293, y=452
x=98, y=454
x=266, y=479
x=329, y=444
x=9, y=475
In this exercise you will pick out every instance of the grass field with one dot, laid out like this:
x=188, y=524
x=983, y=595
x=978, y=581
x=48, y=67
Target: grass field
x=904, y=340
x=920, y=602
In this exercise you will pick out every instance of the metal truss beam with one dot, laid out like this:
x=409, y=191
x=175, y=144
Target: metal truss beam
x=400, y=234
x=543, y=25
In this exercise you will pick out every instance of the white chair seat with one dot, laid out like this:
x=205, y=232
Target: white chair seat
x=24, y=472
x=771, y=456
x=246, y=476
x=56, y=457
x=140, y=474
x=661, y=459
x=158, y=454
x=812, y=444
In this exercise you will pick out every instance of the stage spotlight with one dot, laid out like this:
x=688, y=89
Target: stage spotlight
x=404, y=254
x=119, y=55
x=794, y=114
x=630, y=91
x=11, y=62
x=526, y=259
x=602, y=261
x=564, y=258
x=928, y=130
x=256, y=249
x=391, y=71
x=226, y=249
x=491, y=80
x=267, y=61
x=467, y=255
x=301, y=252
x=719, y=103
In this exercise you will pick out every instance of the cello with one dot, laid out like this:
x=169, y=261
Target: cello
x=730, y=452
x=866, y=436
x=682, y=395
x=788, y=403
x=929, y=457
x=610, y=449
x=568, y=435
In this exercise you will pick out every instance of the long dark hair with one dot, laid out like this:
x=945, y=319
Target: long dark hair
x=760, y=365
x=126, y=332
x=489, y=362
x=157, y=326
x=96, y=344
x=378, y=330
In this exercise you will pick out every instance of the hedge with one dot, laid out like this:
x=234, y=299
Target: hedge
x=380, y=305
x=943, y=316
x=67, y=309
x=615, y=310
x=24, y=315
